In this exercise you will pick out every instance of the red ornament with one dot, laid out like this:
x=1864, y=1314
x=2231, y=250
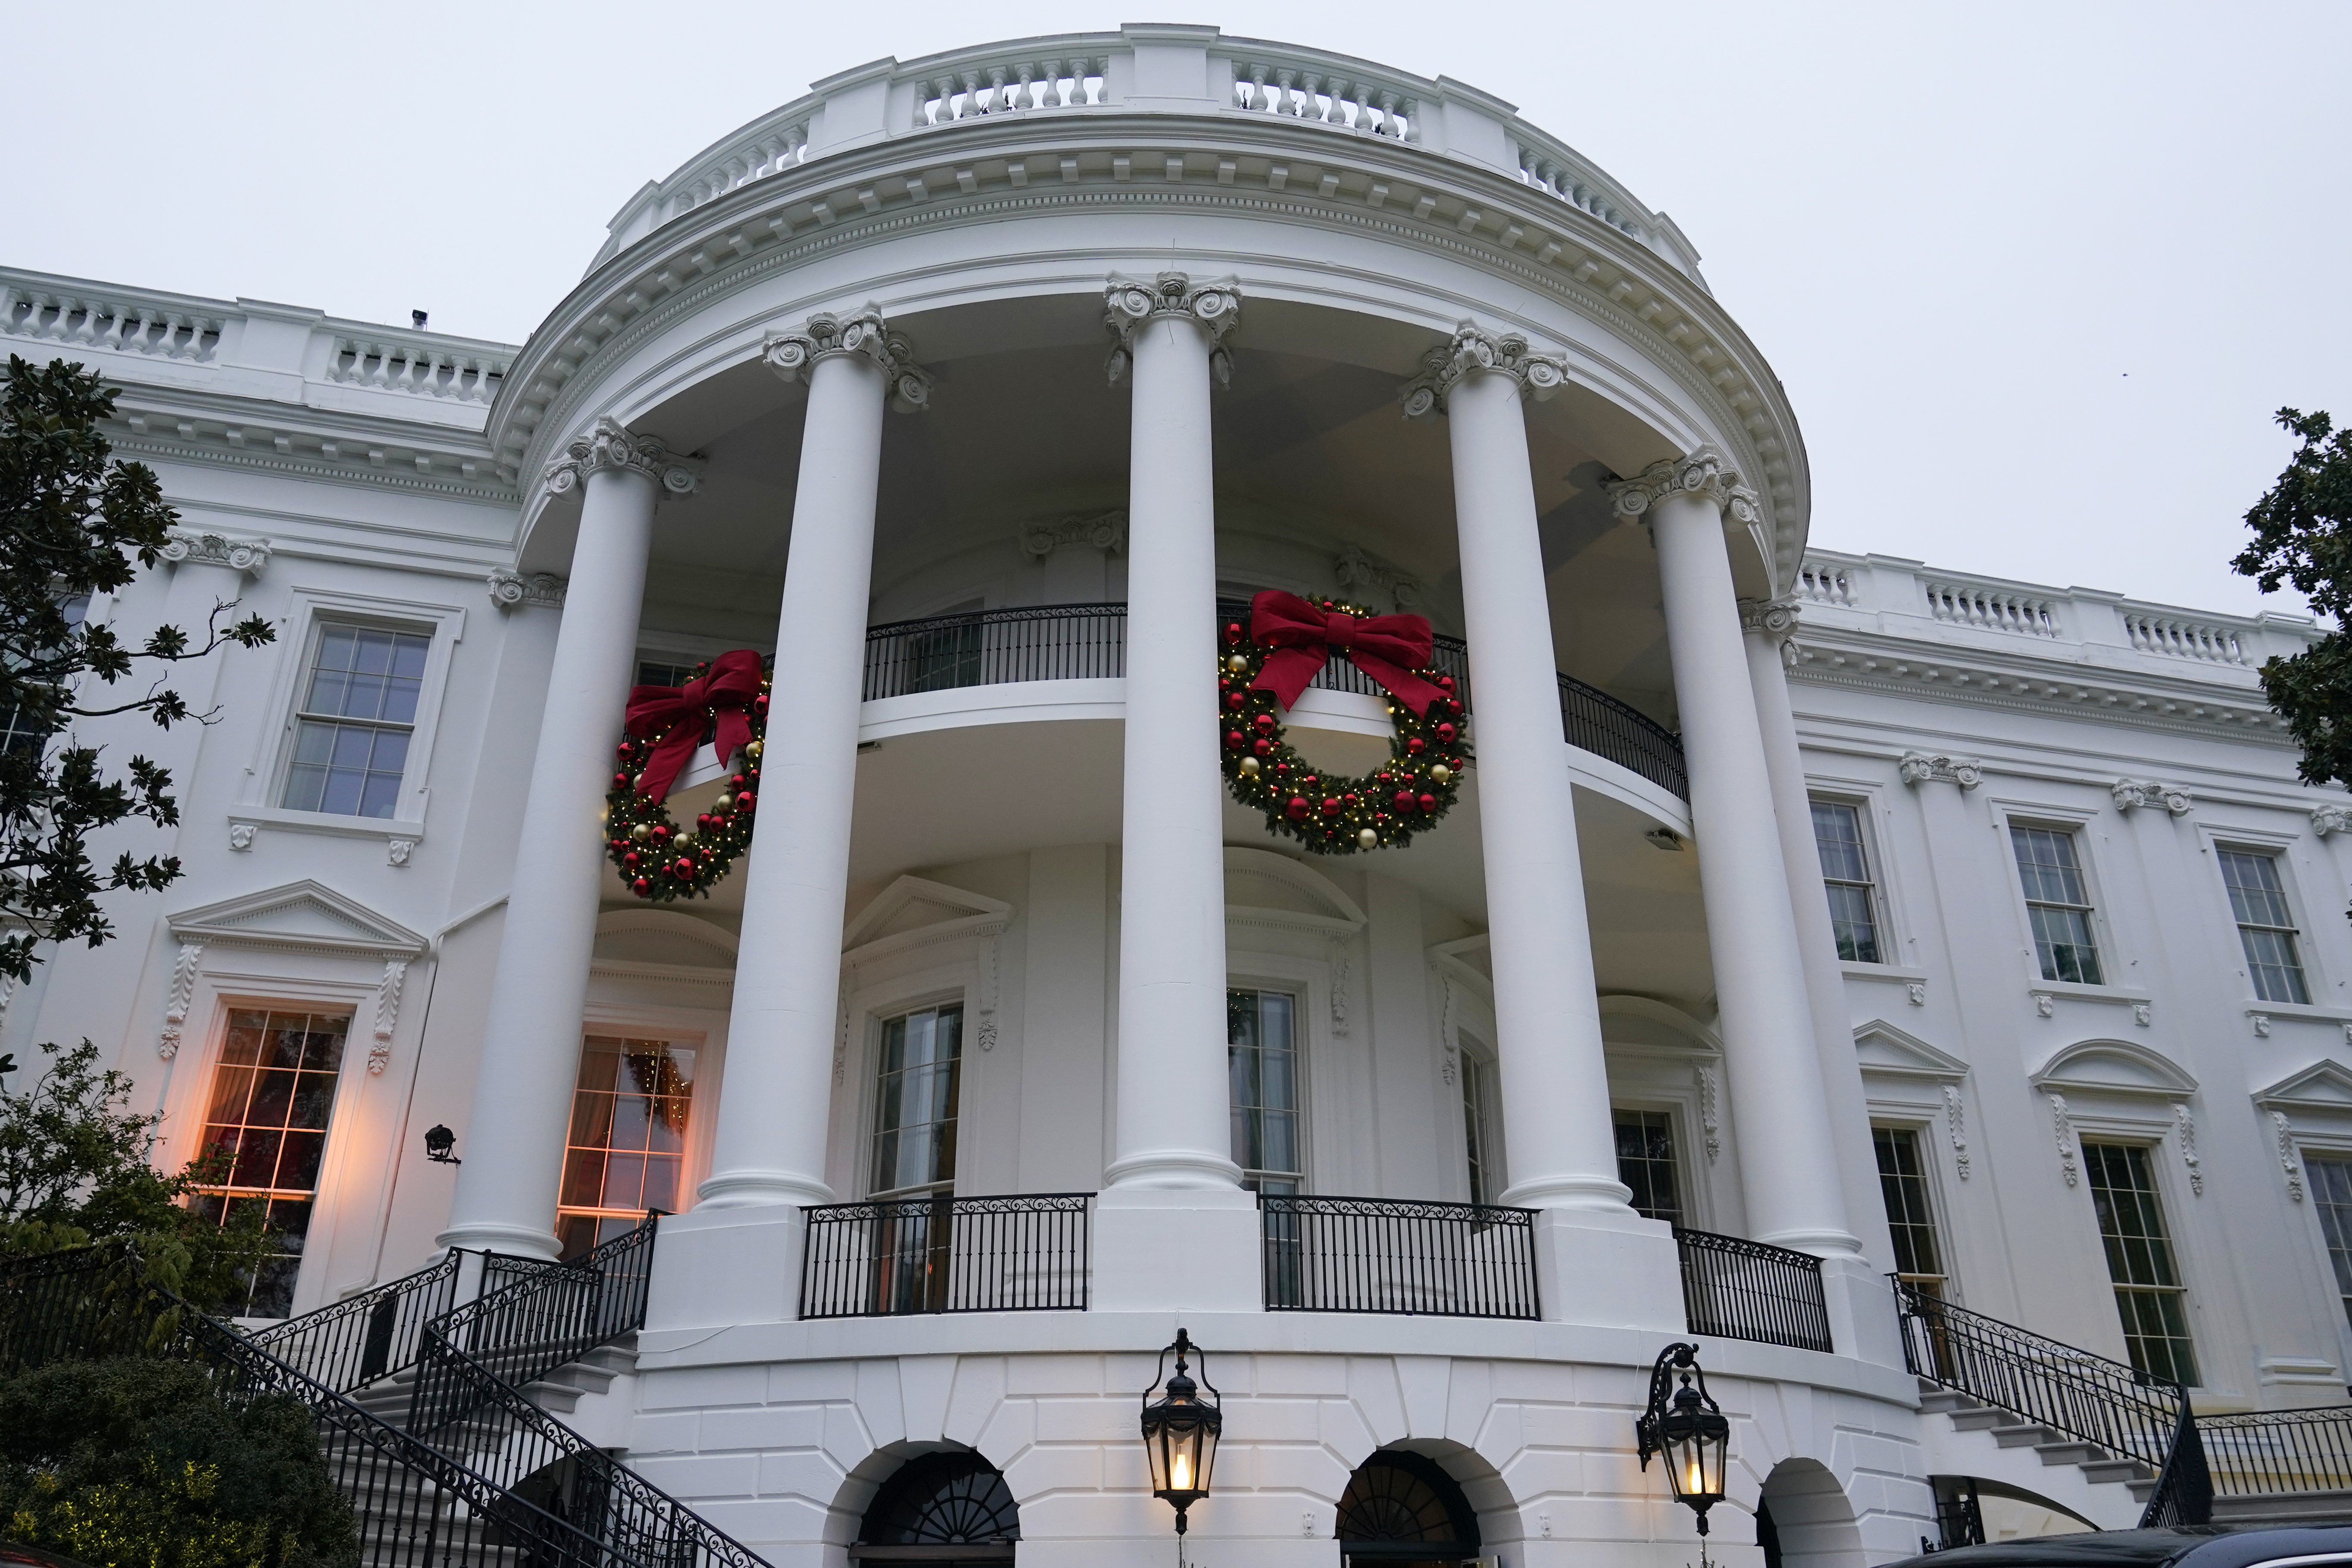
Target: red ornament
x=1429, y=802
x=1263, y=747
x=685, y=866
x=1330, y=805
x=630, y=860
x=1266, y=723
x=621, y=781
x=1445, y=683
x=1415, y=746
x=1446, y=732
x=1296, y=808
x=1236, y=701
x=641, y=887
x=1234, y=633
x=745, y=801
x=1235, y=739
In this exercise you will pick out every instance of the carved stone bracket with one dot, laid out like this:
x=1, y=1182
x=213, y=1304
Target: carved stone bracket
x=1339, y=968
x=396, y=851
x=2131, y=794
x=2062, y=1123
x=1216, y=308
x=1918, y=991
x=609, y=444
x=250, y=557
x=387, y=1014
x=1710, y=1117
x=512, y=590
x=1955, y=1121
x=864, y=334
x=1704, y=472
x=241, y=836
x=2289, y=1166
x=1473, y=349
x=2187, y=1127
x=1774, y=618
x=176, y=1003
x=2262, y=1024
x=2143, y=1014
x=2046, y=1003
x=1923, y=767
x=1357, y=570
x=2327, y=820
x=1106, y=531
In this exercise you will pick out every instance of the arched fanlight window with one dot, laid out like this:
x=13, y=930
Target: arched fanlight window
x=1403, y=1510
x=955, y=1499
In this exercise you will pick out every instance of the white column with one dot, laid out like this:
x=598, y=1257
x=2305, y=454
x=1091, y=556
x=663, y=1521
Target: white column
x=1787, y=1160
x=1771, y=627
x=1599, y=1262
x=1173, y=1227
x=776, y=1099
x=513, y=1147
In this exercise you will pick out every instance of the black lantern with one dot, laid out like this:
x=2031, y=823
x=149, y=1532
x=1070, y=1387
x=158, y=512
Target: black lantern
x=1180, y=1430
x=1690, y=1431
x=438, y=1141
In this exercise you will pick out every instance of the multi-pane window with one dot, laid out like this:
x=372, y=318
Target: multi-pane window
x=1477, y=1129
x=2149, y=1293
x=1262, y=1067
x=664, y=672
x=917, y=1080
x=2058, y=903
x=1645, y=1163
x=1845, y=876
x=627, y=1142
x=20, y=730
x=358, y=713
x=2331, y=1194
x=1902, y=1181
x=266, y=1125
x=2265, y=926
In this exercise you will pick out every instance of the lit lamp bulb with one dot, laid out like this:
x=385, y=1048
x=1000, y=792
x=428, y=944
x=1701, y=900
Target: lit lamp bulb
x=1179, y=1474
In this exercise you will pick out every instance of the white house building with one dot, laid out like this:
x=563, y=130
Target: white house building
x=1801, y=920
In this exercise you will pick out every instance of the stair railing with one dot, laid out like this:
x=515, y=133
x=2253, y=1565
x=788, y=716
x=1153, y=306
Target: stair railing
x=2117, y=1408
x=475, y=1361
x=416, y=1506
x=352, y=1342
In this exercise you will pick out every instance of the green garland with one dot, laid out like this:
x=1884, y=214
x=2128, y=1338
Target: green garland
x=1384, y=809
x=658, y=859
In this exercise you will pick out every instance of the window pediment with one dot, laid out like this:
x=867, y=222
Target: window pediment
x=1881, y=1050
x=306, y=916
x=2114, y=1067
x=2325, y=1087
x=912, y=912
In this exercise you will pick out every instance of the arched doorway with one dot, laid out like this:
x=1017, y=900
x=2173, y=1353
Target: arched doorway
x=946, y=1510
x=1804, y=1519
x=1403, y=1510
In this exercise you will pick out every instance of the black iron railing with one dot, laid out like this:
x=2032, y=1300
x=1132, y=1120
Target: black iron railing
x=944, y=1254
x=1397, y=1254
x=1078, y=642
x=373, y=1335
x=1739, y=1290
x=2124, y=1411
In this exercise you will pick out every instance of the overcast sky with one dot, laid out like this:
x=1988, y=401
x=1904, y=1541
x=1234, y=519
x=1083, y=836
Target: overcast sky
x=2035, y=276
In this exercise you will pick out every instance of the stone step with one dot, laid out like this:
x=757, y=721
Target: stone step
x=2070, y=1453
x=1981, y=1418
x=2029, y=1435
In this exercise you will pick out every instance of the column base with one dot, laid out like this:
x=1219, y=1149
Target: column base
x=760, y=1189
x=1183, y=1249
x=1863, y=1319
x=489, y=1236
x=1608, y=1270
x=717, y=1267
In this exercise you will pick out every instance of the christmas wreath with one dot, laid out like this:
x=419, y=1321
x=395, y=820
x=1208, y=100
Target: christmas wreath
x=726, y=701
x=1266, y=664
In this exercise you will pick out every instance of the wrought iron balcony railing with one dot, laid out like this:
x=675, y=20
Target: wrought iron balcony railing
x=894, y=1256
x=1396, y=1254
x=1738, y=1289
x=1088, y=642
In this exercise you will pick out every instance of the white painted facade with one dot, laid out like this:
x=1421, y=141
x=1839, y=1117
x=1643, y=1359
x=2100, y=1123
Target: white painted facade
x=661, y=468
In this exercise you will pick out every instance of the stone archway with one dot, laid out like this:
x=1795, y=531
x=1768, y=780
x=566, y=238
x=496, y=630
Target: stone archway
x=945, y=1509
x=1805, y=1520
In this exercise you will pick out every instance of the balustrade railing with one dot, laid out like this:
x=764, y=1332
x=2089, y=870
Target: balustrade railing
x=2179, y=638
x=378, y=1332
x=421, y=369
x=1398, y=1255
x=1083, y=642
x=1735, y=1288
x=1992, y=609
x=2265, y=1453
x=894, y=1256
x=1018, y=84
x=78, y=319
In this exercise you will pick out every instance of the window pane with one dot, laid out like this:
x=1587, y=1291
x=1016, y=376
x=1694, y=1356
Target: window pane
x=2331, y=1192
x=1645, y=1163
x=920, y=1073
x=1837, y=833
x=631, y=1096
x=271, y=1095
x=1853, y=922
x=2148, y=1293
x=1904, y=1183
x=1261, y=1071
x=2045, y=857
x=2062, y=939
x=2256, y=896
x=1477, y=1141
x=355, y=769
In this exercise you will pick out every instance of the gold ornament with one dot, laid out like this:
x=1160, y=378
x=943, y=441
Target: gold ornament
x=1368, y=839
x=642, y=832
x=1440, y=774
x=724, y=803
x=686, y=839
x=753, y=748
x=1236, y=664
x=1249, y=767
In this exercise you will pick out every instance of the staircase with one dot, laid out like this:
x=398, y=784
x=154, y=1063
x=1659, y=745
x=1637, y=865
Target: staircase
x=1982, y=1440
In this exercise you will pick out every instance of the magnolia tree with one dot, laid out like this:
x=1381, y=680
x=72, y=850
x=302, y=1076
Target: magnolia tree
x=2303, y=538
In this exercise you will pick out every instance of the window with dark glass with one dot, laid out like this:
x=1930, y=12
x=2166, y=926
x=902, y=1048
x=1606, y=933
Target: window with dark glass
x=2331, y=1195
x=266, y=1121
x=1903, y=1182
x=2057, y=904
x=919, y=1076
x=1403, y=1510
x=1477, y=1129
x=2265, y=926
x=946, y=1510
x=1645, y=1163
x=358, y=713
x=20, y=729
x=663, y=671
x=626, y=1149
x=1262, y=1067
x=1845, y=877
x=2149, y=1293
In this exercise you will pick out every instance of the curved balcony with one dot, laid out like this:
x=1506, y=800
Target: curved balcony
x=1088, y=642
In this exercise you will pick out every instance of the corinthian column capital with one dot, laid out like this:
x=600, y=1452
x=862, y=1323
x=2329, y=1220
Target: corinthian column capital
x=1775, y=617
x=609, y=444
x=1704, y=472
x=1216, y=308
x=865, y=334
x=1471, y=349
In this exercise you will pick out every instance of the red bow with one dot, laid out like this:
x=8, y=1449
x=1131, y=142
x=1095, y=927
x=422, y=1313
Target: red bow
x=1388, y=648
x=677, y=714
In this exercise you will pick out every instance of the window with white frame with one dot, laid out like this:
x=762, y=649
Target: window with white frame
x=1645, y=1163
x=272, y=1095
x=2265, y=925
x=1845, y=877
x=2331, y=1195
x=1910, y=1216
x=627, y=1150
x=2057, y=903
x=2149, y=1293
x=919, y=1078
x=1478, y=1128
x=1261, y=1066
x=355, y=717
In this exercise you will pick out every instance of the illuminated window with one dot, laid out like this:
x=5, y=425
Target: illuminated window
x=272, y=1094
x=358, y=714
x=627, y=1145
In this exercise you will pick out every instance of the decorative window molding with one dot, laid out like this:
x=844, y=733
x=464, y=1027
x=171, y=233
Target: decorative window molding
x=249, y=557
x=1908, y=1078
x=2313, y=1104
x=2133, y=794
x=2062, y=1123
x=1272, y=893
x=1956, y=1122
x=1710, y=1122
x=2290, y=1160
x=183, y=990
x=918, y=923
x=1926, y=767
x=513, y=590
x=2327, y=820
